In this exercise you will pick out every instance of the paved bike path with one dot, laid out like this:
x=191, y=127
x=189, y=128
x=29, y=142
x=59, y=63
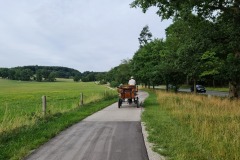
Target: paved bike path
x=110, y=134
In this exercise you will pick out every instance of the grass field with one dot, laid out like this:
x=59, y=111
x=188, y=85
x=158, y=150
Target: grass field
x=193, y=127
x=22, y=124
x=21, y=103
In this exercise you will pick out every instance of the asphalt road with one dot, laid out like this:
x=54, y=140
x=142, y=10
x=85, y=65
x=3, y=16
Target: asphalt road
x=212, y=93
x=110, y=134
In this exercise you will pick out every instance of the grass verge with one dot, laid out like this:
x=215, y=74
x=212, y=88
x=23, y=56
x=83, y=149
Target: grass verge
x=17, y=143
x=223, y=89
x=193, y=127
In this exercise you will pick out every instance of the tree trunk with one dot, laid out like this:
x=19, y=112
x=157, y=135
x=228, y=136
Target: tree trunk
x=234, y=89
x=234, y=85
x=194, y=86
x=213, y=83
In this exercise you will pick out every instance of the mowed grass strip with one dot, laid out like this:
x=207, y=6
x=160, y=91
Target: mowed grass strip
x=193, y=127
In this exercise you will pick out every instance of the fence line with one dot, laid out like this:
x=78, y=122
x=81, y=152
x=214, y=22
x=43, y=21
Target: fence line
x=44, y=105
x=81, y=99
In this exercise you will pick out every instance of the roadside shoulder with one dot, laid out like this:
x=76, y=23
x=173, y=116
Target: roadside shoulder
x=151, y=154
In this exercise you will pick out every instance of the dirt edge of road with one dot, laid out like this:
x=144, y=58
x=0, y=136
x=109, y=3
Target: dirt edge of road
x=151, y=154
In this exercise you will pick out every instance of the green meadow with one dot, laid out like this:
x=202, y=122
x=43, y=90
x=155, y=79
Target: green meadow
x=21, y=102
x=23, y=127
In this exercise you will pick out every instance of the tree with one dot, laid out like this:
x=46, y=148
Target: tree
x=52, y=76
x=39, y=76
x=208, y=9
x=88, y=76
x=18, y=73
x=186, y=42
x=145, y=63
x=11, y=74
x=77, y=78
x=145, y=36
x=26, y=74
x=120, y=74
x=101, y=77
x=211, y=65
x=4, y=72
x=45, y=73
x=169, y=69
x=110, y=76
x=124, y=72
x=232, y=68
x=225, y=11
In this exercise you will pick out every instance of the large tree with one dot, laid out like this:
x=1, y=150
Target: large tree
x=225, y=11
x=145, y=36
x=120, y=74
x=39, y=75
x=26, y=74
x=147, y=61
x=4, y=72
x=155, y=63
x=186, y=42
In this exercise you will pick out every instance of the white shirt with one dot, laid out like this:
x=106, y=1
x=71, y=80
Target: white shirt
x=132, y=82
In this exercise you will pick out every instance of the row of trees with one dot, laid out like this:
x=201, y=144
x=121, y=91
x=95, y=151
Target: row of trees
x=38, y=73
x=204, y=38
x=50, y=73
x=202, y=44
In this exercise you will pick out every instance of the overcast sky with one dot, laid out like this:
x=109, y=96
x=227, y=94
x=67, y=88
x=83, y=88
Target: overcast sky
x=87, y=35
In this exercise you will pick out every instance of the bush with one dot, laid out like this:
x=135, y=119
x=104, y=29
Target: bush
x=76, y=78
x=102, y=82
x=114, y=84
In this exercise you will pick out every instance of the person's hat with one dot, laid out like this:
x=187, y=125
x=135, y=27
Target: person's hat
x=131, y=77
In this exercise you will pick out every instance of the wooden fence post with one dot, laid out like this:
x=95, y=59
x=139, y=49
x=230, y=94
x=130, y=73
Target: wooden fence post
x=81, y=99
x=44, y=105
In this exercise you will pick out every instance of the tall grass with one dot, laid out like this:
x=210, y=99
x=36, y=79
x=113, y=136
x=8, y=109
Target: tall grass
x=185, y=126
x=21, y=104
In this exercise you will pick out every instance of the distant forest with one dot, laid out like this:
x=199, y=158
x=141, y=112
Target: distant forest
x=48, y=73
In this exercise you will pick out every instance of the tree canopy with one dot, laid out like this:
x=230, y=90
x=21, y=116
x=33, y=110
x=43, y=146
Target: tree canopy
x=204, y=37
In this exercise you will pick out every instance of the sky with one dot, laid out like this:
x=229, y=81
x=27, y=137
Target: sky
x=86, y=35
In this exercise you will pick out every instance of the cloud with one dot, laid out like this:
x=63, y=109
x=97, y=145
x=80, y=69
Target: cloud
x=84, y=35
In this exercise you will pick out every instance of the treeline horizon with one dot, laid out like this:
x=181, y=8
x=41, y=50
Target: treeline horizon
x=48, y=73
